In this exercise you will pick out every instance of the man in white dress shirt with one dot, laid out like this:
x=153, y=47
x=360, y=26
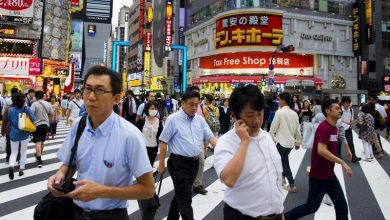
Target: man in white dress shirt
x=248, y=163
x=285, y=130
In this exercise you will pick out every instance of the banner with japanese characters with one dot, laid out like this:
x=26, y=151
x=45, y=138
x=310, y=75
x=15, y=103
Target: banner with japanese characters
x=249, y=29
x=20, y=66
x=257, y=63
x=17, y=11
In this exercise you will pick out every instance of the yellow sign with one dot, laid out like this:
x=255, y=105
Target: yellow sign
x=150, y=14
x=156, y=83
x=134, y=83
x=146, y=67
x=7, y=31
x=124, y=79
x=57, y=89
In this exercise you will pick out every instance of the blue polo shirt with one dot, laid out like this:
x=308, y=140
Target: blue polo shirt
x=184, y=135
x=112, y=155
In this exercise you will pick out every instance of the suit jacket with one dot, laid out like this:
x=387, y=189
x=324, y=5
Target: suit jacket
x=125, y=108
x=224, y=118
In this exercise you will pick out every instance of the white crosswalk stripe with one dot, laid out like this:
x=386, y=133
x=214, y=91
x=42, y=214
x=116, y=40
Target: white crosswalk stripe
x=205, y=206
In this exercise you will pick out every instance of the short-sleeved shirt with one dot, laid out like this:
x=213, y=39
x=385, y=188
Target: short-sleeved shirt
x=42, y=110
x=322, y=168
x=168, y=104
x=258, y=190
x=184, y=135
x=75, y=109
x=111, y=155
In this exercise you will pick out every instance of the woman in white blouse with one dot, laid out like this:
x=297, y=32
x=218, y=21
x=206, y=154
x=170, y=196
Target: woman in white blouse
x=151, y=128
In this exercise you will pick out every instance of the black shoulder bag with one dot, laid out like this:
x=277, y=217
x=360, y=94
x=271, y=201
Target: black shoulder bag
x=60, y=208
x=148, y=207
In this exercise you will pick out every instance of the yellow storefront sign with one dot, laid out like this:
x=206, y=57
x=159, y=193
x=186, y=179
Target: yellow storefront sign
x=156, y=83
x=146, y=67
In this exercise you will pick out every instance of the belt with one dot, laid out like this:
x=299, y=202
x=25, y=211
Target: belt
x=101, y=214
x=270, y=217
x=184, y=157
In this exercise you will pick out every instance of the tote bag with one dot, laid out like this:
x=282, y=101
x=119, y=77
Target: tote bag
x=3, y=143
x=25, y=124
x=309, y=130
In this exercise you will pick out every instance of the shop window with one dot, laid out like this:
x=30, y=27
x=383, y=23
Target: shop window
x=323, y=5
x=17, y=47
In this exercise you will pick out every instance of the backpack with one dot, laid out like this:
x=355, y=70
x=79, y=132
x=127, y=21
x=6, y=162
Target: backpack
x=271, y=117
x=213, y=120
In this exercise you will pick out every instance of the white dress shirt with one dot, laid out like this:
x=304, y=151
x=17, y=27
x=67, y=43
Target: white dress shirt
x=381, y=110
x=285, y=128
x=258, y=190
x=347, y=115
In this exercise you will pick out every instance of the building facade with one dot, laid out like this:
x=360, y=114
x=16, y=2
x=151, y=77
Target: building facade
x=232, y=42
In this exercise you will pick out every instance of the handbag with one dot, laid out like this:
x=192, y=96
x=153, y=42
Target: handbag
x=3, y=143
x=309, y=130
x=25, y=124
x=148, y=207
x=59, y=208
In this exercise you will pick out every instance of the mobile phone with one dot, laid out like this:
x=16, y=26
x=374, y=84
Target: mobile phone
x=61, y=188
x=66, y=187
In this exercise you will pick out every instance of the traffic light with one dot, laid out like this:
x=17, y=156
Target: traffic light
x=263, y=81
x=289, y=48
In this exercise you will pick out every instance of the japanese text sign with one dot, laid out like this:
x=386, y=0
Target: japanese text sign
x=249, y=29
x=20, y=66
x=20, y=8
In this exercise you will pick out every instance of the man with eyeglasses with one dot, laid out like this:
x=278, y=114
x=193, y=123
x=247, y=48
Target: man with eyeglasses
x=184, y=133
x=141, y=108
x=74, y=108
x=111, y=153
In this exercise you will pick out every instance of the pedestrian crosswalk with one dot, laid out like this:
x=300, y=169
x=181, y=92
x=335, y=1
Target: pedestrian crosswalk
x=367, y=191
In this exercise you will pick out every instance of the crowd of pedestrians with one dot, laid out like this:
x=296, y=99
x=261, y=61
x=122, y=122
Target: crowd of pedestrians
x=251, y=137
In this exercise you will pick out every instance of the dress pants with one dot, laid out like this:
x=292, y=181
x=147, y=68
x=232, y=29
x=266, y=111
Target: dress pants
x=284, y=152
x=183, y=172
x=199, y=175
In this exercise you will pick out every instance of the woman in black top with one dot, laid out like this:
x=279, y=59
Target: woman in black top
x=224, y=117
x=305, y=114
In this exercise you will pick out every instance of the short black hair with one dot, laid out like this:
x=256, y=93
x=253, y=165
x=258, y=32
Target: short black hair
x=285, y=96
x=39, y=94
x=130, y=92
x=366, y=108
x=209, y=97
x=77, y=91
x=374, y=97
x=345, y=99
x=18, y=99
x=31, y=90
x=317, y=101
x=327, y=104
x=158, y=95
x=116, y=80
x=246, y=95
x=148, y=105
x=14, y=90
x=189, y=95
x=147, y=94
x=192, y=88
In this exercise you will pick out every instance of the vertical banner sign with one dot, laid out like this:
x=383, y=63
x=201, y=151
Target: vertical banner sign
x=168, y=24
x=368, y=16
x=139, y=54
x=356, y=29
x=148, y=41
x=181, y=33
x=69, y=81
x=150, y=14
x=141, y=18
x=146, y=67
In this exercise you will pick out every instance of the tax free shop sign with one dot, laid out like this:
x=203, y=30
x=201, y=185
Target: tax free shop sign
x=257, y=62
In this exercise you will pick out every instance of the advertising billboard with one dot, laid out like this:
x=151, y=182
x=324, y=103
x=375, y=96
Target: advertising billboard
x=249, y=29
x=76, y=59
x=76, y=35
x=17, y=11
x=20, y=66
x=52, y=68
x=357, y=17
x=141, y=19
x=98, y=11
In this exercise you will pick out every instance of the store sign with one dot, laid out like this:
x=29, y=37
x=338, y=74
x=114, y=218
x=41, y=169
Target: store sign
x=356, y=29
x=364, y=67
x=156, y=83
x=141, y=19
x=249, y=29
x=258, y=62
x=150, y=14
x=386, y=83
x=140, y=50
x=148, y=42
x=53, y=68
x=20, y=66
x=17, y=10
x=168, y=24
x=368, y=16
x=318, y=37
x=146, y=67
x=98, y=11
x=7, y=30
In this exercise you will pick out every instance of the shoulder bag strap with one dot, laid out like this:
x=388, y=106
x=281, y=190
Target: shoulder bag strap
x=44, y=108
x=155, y=174
x=80, y=130
x=76, y=104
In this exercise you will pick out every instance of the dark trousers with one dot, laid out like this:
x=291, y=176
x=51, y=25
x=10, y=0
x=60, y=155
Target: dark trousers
x=119, y=214
x=53, y=128
x=349, y=137
x=230, y=213
x=284, y=152
x=183, y=173
x=152, y=153
x=8, y=149
x=317, y=190
x=131, y=118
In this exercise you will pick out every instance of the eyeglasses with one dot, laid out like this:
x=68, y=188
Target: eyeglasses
x=97, y=91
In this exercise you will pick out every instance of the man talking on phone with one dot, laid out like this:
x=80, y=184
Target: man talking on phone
x=111, y=153
x=248, y=163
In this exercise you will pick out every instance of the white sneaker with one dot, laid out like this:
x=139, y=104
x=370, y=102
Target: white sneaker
x=368, y=159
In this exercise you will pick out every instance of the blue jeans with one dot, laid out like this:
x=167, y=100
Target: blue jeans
x=284, y=152
x=317, y=190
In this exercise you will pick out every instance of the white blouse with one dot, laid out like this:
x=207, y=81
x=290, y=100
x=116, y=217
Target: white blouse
x=149, y=132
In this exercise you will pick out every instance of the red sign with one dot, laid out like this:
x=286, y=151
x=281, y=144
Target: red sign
x=75, y=3
x=69, y=81
x=168, y=33
x=249, y=29
x=258, y=62
x=148, y=42
x=252, y=79
x=35, y=67
x=15, y=5
x=141, y=18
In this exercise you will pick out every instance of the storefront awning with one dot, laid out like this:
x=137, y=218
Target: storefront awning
x=256, y=79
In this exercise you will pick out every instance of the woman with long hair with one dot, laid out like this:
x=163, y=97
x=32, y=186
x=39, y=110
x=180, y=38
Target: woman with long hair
x=56, y=115
x=305, y=114
x=151, y=128
x=366, y=126
x=18, y=136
